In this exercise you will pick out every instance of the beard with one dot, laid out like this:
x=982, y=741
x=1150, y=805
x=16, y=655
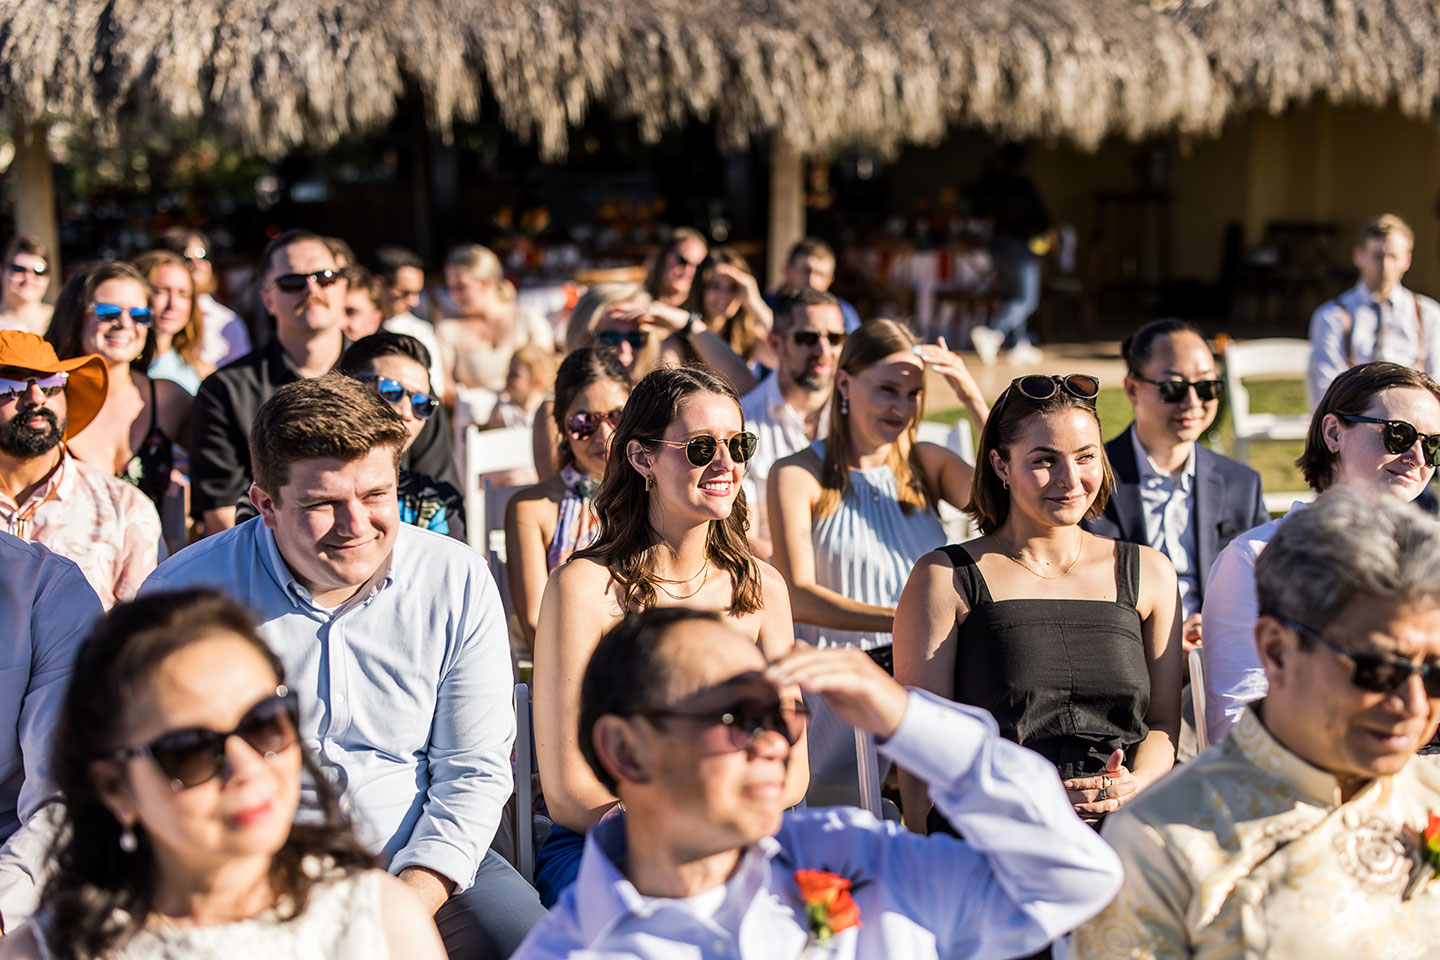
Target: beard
x=812, y=381
x=19, y=439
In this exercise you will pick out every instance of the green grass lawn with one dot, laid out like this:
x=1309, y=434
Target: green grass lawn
x=1274, y=460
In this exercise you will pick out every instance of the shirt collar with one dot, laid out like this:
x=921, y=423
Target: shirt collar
x=1309, y=783
x=298, y=594
x=780, y=410
x=58, y=485
x=1150, y=472
x=1363, y=294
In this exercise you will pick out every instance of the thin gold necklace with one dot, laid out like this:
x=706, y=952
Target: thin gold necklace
x=1079, y=545
x=704, y=565
x=661, y=584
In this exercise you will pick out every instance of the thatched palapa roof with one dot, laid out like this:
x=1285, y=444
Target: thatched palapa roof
x=272, y=74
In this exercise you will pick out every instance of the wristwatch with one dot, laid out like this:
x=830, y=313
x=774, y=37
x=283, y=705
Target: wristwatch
x=695, y=320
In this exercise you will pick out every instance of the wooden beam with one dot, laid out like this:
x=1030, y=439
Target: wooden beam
x=787, y=206
x=33, y=184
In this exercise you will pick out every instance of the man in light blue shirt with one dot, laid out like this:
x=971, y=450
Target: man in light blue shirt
x=683, y=719
x=46, y=609
x=395, y=638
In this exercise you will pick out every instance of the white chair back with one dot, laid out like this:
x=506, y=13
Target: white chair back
x=490, y=451
x=1275, y=357
x=1197, y=697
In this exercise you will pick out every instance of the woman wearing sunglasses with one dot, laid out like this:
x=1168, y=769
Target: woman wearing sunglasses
x=547, y=522
x=398, y=367
x=672, y=533
x=178, y=757
x=1069, y=639
x=1376, y=430
x=27, y=278
x=106, y=309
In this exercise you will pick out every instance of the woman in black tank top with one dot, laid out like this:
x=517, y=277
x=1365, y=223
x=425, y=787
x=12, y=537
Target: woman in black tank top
x=1070, y=640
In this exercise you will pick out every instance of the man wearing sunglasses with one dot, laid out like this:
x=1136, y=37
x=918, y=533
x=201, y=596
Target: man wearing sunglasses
x=1299, y=834
x=787, y=411
x=1377, y=319
x=401, y=273
x=395, y=639
x=304, y=289
x=685, y=721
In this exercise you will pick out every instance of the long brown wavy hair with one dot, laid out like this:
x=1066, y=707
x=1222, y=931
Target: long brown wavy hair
x=627, y=543
x=742, y=331
x=864, y=348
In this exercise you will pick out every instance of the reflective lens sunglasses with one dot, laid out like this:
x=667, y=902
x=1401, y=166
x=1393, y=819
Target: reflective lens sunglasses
x=613, y=338
x=582, y=426
x=1399, y=436
x=299, y=282
x=1174, y=391
x=195, y=755
x=39, y=271
x=110, y=313
x=1040, y=387
x=196, y=253
x=808, y=338
x=745, y=720
x=1377, y=672
x=701, y=450
x=50, y=384
x=393, y=391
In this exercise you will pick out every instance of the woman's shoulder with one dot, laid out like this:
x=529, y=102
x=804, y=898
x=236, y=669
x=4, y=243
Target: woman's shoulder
x=538, y=499
x=802, y=461
x=581, y=573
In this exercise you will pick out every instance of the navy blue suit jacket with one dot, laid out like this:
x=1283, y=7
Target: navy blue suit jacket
x=1227, y=501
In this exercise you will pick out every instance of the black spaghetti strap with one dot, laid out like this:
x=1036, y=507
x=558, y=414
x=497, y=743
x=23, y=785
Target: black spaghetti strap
x=1127, y=573
x=154, y=408
x=972, y=581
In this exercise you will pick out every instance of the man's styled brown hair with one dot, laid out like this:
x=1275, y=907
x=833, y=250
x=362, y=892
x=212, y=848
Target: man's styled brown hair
x=331, y=417
x=288, y=239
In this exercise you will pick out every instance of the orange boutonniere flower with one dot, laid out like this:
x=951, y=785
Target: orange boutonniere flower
x=1425, y=856
x=829, y=907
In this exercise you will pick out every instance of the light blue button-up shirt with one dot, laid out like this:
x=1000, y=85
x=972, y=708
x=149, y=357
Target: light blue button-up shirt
x=406, y=692
x=1168, y=503
x=1027, y=872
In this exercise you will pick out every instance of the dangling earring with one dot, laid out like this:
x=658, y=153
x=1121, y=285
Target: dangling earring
x=844, y=405
x=128, y=843
x=647, y=484
x=1004, y=484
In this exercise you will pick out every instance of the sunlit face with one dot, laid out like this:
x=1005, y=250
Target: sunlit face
x=884, y=397
x=197, y=257
x=624, y=316
x=1348, y=731
x=1054, y=468
x=721, y=298
x=680, y=488
x=25, y=286
x=1363, y=462
x=247, y=810
x=414, y=378
x=31, y=424
x=471, y=293
x=403, y=296
x=810, y=270
x=174, y=292
x=603, y=397
x=120, y=339
x=1382, y=261
x=334, y=522
x=314, y=309
x=679, y=270
x=1175, y=356
x=362, y=316
x=811, y=366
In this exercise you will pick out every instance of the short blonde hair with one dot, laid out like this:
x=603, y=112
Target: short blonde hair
x=481, y=262
x=1381, y=227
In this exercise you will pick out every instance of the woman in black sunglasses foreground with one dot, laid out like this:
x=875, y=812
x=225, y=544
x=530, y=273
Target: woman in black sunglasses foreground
x=1376, y=430
x=672, y=533
x=547, y=522
x=1070, y=639
x=178, y=757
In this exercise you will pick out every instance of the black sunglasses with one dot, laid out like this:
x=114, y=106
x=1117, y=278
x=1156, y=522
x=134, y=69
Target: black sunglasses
x=1040, y=387
x=745, y=720
x=1399, y=436
x=613, y=338
x=701, y=450
x=1377, y=672
x=298, y=282
x=110, y=313
x=680, y=260
x=808, y=338
x=393, y=391
x=1174, y=391
x=39, y=271
x=582, y=426
x=195, y=755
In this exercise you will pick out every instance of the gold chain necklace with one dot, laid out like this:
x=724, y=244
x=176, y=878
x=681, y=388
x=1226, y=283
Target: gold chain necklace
x=661, y=583
x=1079, y=548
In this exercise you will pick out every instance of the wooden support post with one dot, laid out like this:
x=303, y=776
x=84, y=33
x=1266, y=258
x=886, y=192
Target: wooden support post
x=787, y=206
x=33, y=184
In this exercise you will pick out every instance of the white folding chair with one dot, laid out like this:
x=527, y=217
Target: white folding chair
x=1283, y=358
x=490, y=451
x=529, y=829
x=1197, y=697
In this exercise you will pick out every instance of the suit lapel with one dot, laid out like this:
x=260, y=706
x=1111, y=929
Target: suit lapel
x=1128, y=511
x=1210, y=494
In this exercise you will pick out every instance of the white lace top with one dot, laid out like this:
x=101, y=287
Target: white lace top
x=340, y=922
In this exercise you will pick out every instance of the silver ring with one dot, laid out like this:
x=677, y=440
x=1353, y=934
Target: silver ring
x=1104, y=794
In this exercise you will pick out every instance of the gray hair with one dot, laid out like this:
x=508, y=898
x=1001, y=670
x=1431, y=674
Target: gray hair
x=1344, y=545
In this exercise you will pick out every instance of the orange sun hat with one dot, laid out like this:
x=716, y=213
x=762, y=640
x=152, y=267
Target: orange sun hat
x=85, y=390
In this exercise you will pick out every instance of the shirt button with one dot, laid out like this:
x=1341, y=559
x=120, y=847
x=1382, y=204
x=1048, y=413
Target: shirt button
x=339, y=698
x=345, y=805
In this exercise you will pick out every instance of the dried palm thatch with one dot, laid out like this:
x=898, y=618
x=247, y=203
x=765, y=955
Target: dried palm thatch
x=269, y=75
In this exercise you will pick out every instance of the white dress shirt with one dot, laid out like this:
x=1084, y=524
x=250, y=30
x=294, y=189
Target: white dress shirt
x=779, y=431
x=1168, y=503
x=406, y=691
x=1027, y=872
x=1398, y=341
x=1233, y=674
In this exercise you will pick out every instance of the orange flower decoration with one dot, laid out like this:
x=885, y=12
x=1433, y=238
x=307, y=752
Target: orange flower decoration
x=829, y=907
